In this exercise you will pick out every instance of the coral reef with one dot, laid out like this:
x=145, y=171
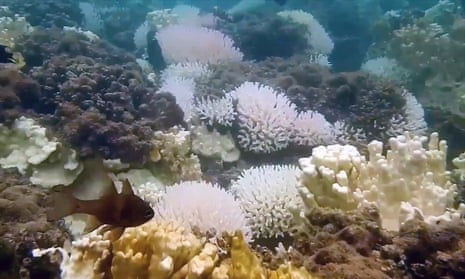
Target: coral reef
x=46, y=12
x=206, y=116
x=173, y=157
x=362, y=102
x=401, y=183
x=97, y=99
x=27, y=147
x=17, y=93
x=429, y=251
x=24, y=228
x=166, y=250
x=265, y=194
x=344, y=245
x=261, y=35
x=43, y=44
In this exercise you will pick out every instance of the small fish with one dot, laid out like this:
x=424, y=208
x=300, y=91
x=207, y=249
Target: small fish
x=5, y=55
x=115, y=209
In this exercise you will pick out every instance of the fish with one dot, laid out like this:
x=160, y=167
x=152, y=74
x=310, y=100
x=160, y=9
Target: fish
x=115, y=209
x=5, y=55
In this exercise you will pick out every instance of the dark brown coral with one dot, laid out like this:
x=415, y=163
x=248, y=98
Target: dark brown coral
x=17, y=93
x=341, y=245
x=104, y=109
x=96, y=97
x=430, y=251
x=23, y=227
x=43, y=44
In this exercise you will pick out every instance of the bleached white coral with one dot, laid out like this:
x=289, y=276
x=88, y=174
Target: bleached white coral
x=184, y=43
x=386, y=68
x=26, y=147
x=218, y=111
x=159, y=19
x=266, y=193
x=311, y=128
x=318, y=38
x=320, y=59
x=26, y=143
x=180, y=80
x=92, y=17
x=183, y=89
x=411, y=173
x=265, y=118
x=140, y=35
x=411, y=180
x=412, y=120
x=190, y=70
x=202, y=205
x=330, y=176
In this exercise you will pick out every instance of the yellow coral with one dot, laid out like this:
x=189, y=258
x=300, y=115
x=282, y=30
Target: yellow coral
x=245, y=265
x=162, y=250
x=156, y=250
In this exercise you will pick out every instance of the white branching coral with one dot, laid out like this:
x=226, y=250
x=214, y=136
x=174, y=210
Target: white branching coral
x=409, y=181
x=269, y=122
x=412, y=120
x=184, y=43
x=311, y=128
x=329, y=176
x=265, y=118
x=180, y=80
x=183, y=89
x=318, y=38
x=266, y=193
x=191, y=70
x=218, y=111
x=204, y=206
